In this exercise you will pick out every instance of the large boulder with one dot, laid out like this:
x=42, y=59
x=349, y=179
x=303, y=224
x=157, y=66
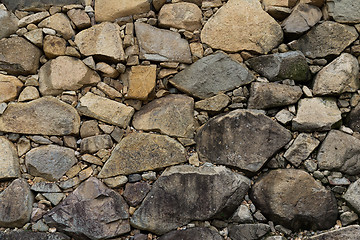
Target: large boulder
x=344, y=11
x=192, y=233
x=10, y=167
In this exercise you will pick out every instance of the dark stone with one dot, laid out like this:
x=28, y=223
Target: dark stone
x=135, y=192
x=353, y=119
x=345, y=233
x=34, y=4
x=192, y=233
x=248, y=231
x=29, y=235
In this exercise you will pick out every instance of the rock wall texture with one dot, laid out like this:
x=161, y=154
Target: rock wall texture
x=179, y=119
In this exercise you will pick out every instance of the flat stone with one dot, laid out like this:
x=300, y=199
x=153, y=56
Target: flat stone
x=339, y=76
x=115, y=182
x=36, y=4
x=213, y=104
x=8, y=22
x=219, y=141
x=180, y=15
x=102, y=41
x=28, y=94
x=192, y=233
x=295, y=200
x=172, y=115
x=142, y=82
x=139, y=152
x=9, y=160
x=316, y=114
x=135, y=193
x=345, y=11
x=65, y=73
x=33, y=18
x=60, y=23
x=248, y=231
x=270, y=95
x=161, y=45
x=327, y=38
x=16, y=204
x=30, y=235
x=18, y=56
x=43, y=116
x=80, y=18
x=105, y=110
x=54, y=46
x=50, y=161
x=95, y=143
x=216, y=189
x=92, y=211
x=349, y=233
x=45, y=187
x=9, y=88
x=280, y=66
x=259, y=33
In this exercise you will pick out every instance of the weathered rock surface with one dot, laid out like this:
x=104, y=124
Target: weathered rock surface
x=327, y=38
x=349, y=233
x=140, y=152
x=102, y=41
x=44, y=116
x=60, y=23
x=341, y=75
x=316, y=114
x=95, y=143
x=236, y=139
x=352, y=195
x=105, y=110
x=33, y=4
x=50, y=161
x=29, y=235
x=280, y=66
x=161, y=45
x=9, y=88
x=142, y=81
x=65, y=73
x=9, y=160
x=213, y=104
x=18, y=56
x=135, y=193
x=248, y=231
x=216, y=189
x=212, y=75
x=294, y=199
x=8, y=22
x=259, y=33
x=16, y=204
x=54, y=46
x=91, y=211
x=270, y=95
x=345, y=11
x=45, y=187
x=172, y=115
x=79, y=18
x=353, y=119
x=341, y=152
x=33, y=18
x=35, y=36
x=192, y=233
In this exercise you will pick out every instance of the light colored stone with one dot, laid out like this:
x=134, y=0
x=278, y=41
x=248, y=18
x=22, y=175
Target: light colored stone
x=29, y=93
x=35, y=36
x=9, y=160
x=9, y=88
x=213, y=104
x=79, y=18
x=106, y=70
x=54, y=46
x=8, y=23
x=352, y=195
x=142, y=81
x=60, y=23
x=95, y=143
x=116, y=182
x=344, y=11
x=284, y=116
x=33, y=18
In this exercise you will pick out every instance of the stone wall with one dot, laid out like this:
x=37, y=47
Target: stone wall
x=196, y=119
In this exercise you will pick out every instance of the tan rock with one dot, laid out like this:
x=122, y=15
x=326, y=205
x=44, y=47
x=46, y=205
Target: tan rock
x=9, y=160
x=213, y=104
x=107, y=70
x=142, y=81
x=108, y=90
x=279, y=3
x=33, y=18
x=60, y=23
x=8, y=23
x=29, y=93
x=9, y=88
x=197, y=50
x=259, y=32
x=35, y=36
x=79, y=18
x=54, y=46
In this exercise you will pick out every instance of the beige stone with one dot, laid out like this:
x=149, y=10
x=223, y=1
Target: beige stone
x=35, y=36
x=279, y=3
x=107, y=70
x=213, y=104
x=110, y=91
x=8, y=23
x=29, y=93
x=79, y=18
x=9, y=88
x=8, y=159
x=54, y=46
x=33, y=18
x=142, y=81
x=60, y=23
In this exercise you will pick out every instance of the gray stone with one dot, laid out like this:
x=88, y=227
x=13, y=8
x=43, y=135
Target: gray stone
x=8, y=22
x=95, y=143
x=54, y=198
x=135, y=193
x=9, y=160
x=30, y=235
x=344, y=11
x=91, y=211
x=248, y=231
x=192, y=233
x=236, y=139
x=36, y=4
x=33, y=18
x=50, y=162
x=284, y=116
x=348, y=233
x=45, y=187
x=242, y=215
x=353, y=119
x=348, y=218
x=216, y=189
x=212, y=75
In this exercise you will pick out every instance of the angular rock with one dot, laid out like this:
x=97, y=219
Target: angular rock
x=295, y=200
x=316, y=114
x=28, y=94
x=192, y=233
x=327, y=38
x=139, y=152
x=45, y=187
x=216, y=189
x=110, y=10
x=54, y=198
x=60, y=23
x=18, y=56
x=105, y=110
x=142, y=81
x=136, y=192
x=345, y=11
x=349, y=233
x=212, y=75
x=236, y=139
x=95, y=143
x=270, y=95
x=16, y=204
x=30, y=235
x=341, y=75
x=9, y=88
x=91, y=211
x=36, y=4
x=8, y=23
x=65, y=73
x=259, y=33
x=213, y=104
x=44, y=116
x=352, y=195
x=340, y=151
x=248, y=231
x=161, y=45
x=80, y=18
x=50, y=161
x=33, y=18
x=353, y=119
x=180, y=15
x=284, y=116
x=280, y=66
x=54, y=46
x=172, y=115
x=102, y=41
x=9, y=160
x=35, y=37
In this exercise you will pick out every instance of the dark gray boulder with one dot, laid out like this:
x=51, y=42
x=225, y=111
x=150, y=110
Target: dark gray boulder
x=29, y=235
x=192, y=233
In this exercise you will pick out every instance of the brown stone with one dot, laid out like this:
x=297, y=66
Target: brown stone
x=9, y=88
x=60, y=23
x=54, y=46
x=79, y=18
x=142, y=81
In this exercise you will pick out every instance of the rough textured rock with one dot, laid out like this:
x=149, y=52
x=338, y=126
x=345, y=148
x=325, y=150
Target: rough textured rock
x=270, y=95
x=91, y=211
x=280, y=66
x=216, y=189
x=135, y=193
x=106, y=110
x=180, y=15
x=142, y=81
x=213, y=104
x=8, y=22
x=172, y=115
x=65, y=73
x=79, y=18
x=102, y=41
x=9, y=160
x=44, y=116
x=95, y=143
x=248, y=231
x=29, y=235
x=316, y=114
x=35, y=36
x=50, y=161
x=349, y=233
x=353, y=119
x=140, y=152
x=352, y=195
x=161, y=45
x=341, y=152
x=16, y=204
x=33, y=4
x=344, y=11
x=18, y=56
x=54, y=46
x=9, y=88
x=192, y=233
x=236, y=139
x=212, y=75
x=327, y=38
x=294, y=199
x=341, y=75
x=259, y=33
x=60, y=23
